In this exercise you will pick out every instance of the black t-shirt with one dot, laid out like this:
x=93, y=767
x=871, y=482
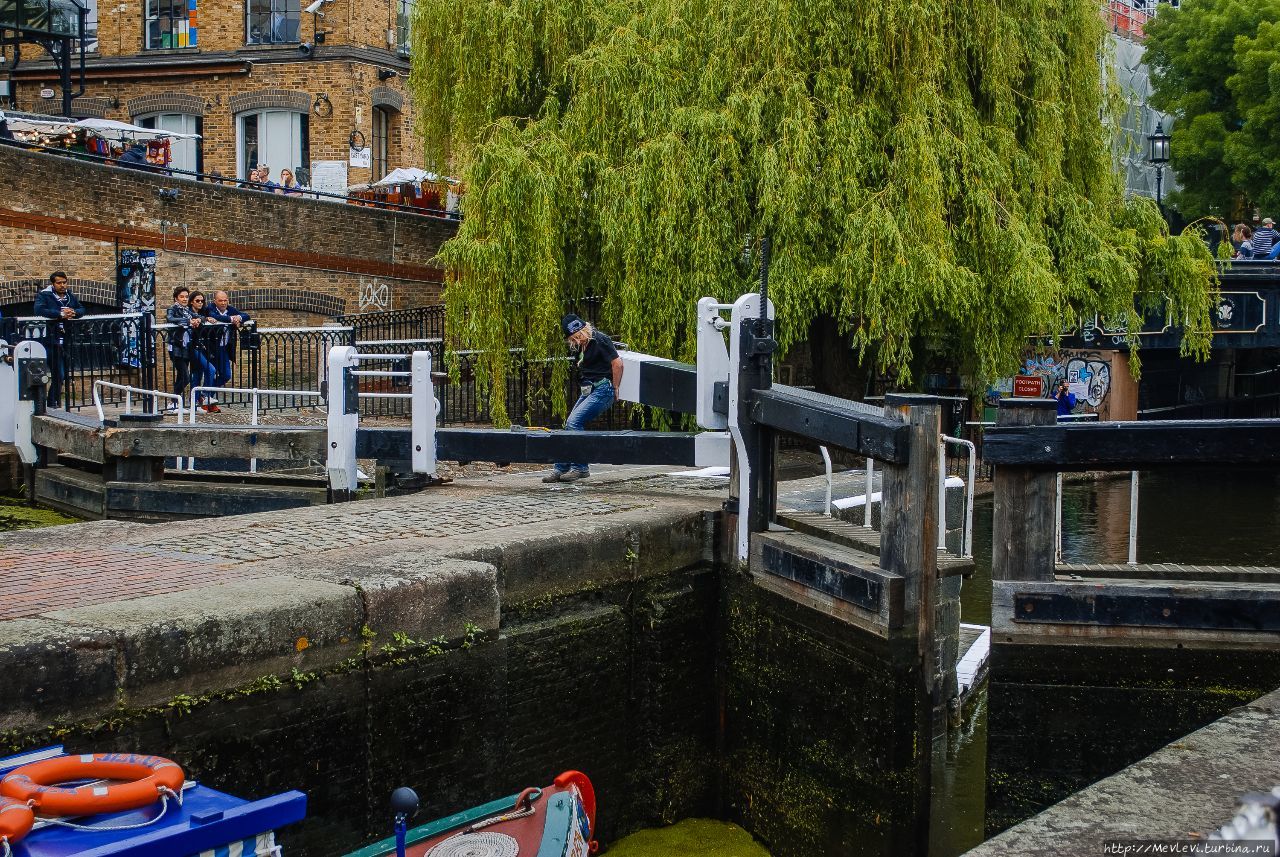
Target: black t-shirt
x=595, y=362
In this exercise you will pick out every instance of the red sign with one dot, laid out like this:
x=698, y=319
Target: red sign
x=1028, y=387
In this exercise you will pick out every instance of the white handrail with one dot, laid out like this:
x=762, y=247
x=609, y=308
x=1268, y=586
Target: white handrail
x=966, y=546
x=1133, y=517
x=826, y=460
x=256, y=393
x=98, y=384
x=866, y=491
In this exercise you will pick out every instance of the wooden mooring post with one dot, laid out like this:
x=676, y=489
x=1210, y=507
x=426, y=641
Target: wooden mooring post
x=1024, y=517
x=909, y=526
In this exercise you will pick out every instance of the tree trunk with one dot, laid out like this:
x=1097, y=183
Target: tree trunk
x=836, y=371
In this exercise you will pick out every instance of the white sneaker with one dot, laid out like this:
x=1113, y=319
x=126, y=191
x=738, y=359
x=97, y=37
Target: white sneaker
x=171, y=409
x=212, y=400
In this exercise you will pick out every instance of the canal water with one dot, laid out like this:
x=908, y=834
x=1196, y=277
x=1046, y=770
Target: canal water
x=1204, y=516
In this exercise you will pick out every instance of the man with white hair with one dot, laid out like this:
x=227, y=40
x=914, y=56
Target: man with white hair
x=226, y=338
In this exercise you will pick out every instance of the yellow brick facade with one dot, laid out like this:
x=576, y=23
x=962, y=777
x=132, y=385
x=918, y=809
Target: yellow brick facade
x=337, y=85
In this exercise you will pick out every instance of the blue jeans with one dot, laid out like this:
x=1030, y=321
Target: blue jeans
x=588, y=407
x=202, y=374
x=222, y=367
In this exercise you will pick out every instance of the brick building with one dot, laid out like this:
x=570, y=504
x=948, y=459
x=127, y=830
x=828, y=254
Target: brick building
x=260, y=80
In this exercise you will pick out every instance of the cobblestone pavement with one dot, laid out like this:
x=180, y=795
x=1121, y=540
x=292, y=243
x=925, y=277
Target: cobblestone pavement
x=96, y=563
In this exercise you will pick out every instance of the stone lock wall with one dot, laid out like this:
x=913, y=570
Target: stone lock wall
x=303, y=258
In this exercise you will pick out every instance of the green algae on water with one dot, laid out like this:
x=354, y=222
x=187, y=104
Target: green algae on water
x=15, y=514
x=693, y=837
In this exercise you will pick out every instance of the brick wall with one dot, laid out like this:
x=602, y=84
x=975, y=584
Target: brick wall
x=285, y=254
x=352, y=90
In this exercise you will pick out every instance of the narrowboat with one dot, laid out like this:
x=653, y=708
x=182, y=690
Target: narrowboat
x=558, y=820
x=58, y=804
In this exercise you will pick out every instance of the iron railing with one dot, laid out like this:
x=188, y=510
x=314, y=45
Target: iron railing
x=425, y=322
x=115, y=348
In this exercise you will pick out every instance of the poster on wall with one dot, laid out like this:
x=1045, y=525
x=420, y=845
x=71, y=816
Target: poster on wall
x=361, y=158
x=136, y=293
x=329, y=177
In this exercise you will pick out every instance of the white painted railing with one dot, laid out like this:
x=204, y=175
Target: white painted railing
x=966, y=544
x=129, y=392
x=256, y=394
x=343, y=422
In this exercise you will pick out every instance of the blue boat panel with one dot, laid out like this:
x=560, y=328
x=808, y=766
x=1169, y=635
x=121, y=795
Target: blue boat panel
x=206, y=820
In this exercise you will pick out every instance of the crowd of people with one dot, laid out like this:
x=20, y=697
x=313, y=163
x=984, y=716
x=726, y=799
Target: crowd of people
x=203, y=343
x=1260, y=243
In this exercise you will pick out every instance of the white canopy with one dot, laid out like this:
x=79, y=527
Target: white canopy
x=406, y=175
x=111, y=129
x=27, y=124
x=106, y=128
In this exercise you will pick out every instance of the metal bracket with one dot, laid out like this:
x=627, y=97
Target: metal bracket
x=34, y=377
x=351, y=390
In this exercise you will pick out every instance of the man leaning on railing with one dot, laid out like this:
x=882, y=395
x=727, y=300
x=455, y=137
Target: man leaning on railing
x=58, y=304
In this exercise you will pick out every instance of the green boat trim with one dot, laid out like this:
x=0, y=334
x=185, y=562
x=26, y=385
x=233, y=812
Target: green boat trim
x=435, y=828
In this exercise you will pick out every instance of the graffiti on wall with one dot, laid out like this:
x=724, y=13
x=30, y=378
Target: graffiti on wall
x=1087, y=373
x=1089, y=377
x=374, y=295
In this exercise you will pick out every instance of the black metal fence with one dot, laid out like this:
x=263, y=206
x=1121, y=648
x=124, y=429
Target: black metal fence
x=392, y=325
x=131, y=350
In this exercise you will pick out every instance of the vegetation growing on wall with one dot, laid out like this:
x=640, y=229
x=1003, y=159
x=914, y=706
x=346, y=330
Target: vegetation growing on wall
x=935, y=177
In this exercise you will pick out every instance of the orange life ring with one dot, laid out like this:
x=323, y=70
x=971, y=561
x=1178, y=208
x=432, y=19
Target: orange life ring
x=145, y=778
x=15, y=820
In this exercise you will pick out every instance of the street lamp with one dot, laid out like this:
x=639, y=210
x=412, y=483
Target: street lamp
x=1158, y=154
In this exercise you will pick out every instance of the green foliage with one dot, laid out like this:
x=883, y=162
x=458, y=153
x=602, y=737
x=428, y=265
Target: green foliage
x=1216, y=67
x=933, y=175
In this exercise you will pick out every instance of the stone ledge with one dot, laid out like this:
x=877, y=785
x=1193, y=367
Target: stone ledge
x=221, y=637
x=1189, y=786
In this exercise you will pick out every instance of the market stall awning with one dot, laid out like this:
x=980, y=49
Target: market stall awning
x=29, y=124
x=110, y=129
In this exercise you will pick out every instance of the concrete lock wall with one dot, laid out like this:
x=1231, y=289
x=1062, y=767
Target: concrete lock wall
x=304, y=259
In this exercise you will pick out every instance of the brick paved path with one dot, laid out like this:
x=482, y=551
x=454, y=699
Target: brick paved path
x=77, y=566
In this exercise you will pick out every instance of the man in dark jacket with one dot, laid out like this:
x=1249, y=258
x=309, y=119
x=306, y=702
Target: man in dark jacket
x=226, y=338
x=57, y=304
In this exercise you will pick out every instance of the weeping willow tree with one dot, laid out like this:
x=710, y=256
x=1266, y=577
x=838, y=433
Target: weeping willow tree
x=937, y=178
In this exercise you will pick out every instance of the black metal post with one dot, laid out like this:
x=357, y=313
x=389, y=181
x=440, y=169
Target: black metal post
x=1159, y=189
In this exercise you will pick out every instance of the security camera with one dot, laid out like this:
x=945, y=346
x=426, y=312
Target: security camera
x=306, y=48
x=314, y=7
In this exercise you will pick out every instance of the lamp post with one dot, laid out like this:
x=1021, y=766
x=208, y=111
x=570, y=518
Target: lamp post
x=1158, y=154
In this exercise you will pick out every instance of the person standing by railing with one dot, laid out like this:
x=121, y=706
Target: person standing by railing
x=203, y=344
x=228, y=338
x=600, y=376
x=185, y=323
x=59, y=305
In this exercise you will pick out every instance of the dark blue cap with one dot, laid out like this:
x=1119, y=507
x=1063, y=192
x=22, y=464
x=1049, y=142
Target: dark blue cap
x=571, y=324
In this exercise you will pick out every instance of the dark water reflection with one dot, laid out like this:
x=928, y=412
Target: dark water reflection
x=1200, y=516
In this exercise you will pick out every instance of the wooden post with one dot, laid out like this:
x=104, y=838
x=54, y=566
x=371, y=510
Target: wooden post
x=1025, y=518
x=908, y=546
x=909, y=509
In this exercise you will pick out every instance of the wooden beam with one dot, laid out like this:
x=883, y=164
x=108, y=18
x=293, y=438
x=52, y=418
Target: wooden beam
x=1133, y=445
x=70, y=434
x=831, y=421
x=280, y=442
